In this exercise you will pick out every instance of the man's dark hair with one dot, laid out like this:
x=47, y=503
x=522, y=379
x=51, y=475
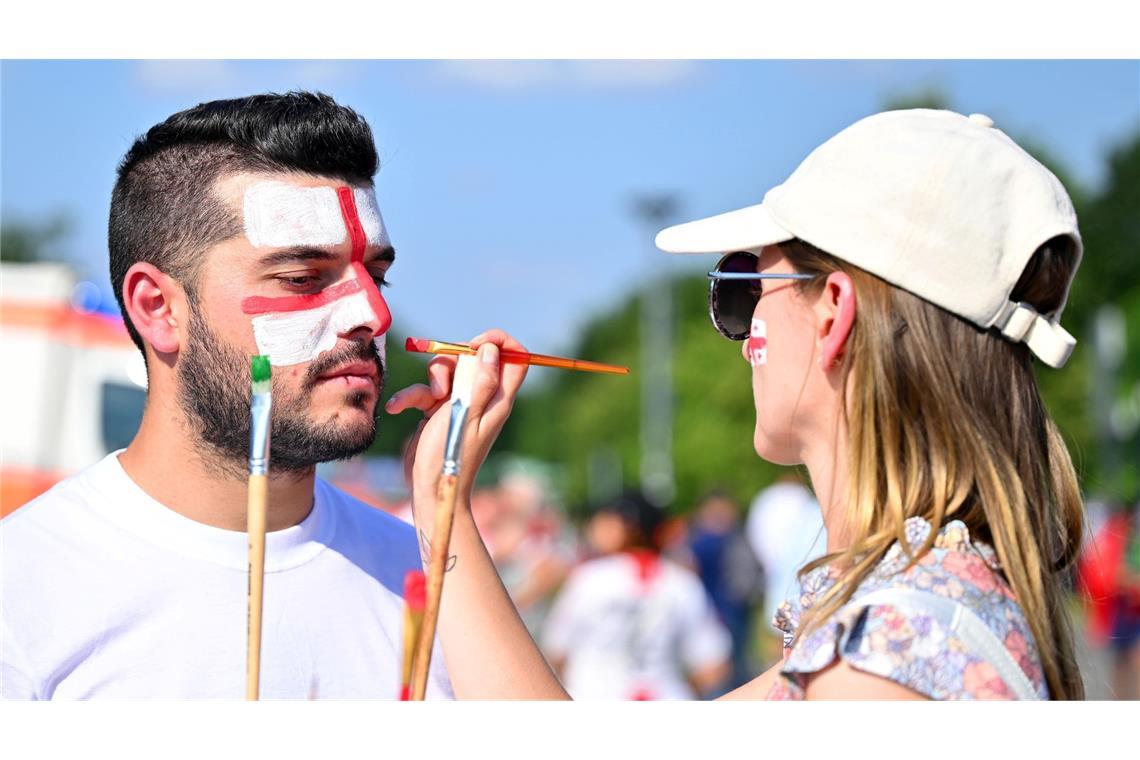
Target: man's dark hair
x=163, y=209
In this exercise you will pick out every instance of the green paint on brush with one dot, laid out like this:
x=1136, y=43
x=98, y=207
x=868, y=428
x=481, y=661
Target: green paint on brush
x=259, y=370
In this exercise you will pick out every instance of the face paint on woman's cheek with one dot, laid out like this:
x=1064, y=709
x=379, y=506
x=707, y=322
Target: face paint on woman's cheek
x=758, y=343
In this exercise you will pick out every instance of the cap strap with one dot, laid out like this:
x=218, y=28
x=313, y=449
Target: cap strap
x=1050, y=342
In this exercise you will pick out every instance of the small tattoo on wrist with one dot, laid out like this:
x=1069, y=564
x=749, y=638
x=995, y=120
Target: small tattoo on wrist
x=425, y=553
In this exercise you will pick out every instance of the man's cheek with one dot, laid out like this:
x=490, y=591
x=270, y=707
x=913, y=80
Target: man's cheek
x=297, y=337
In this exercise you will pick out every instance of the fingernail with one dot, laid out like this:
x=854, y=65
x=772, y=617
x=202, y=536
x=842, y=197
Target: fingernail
x=489, y=354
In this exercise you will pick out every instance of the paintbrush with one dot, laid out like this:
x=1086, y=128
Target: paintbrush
x=427, y=346
x=461, y=386
x=414, y=599
x=260, y=407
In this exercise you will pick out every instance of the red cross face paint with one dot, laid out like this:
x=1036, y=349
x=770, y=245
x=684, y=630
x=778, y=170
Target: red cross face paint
x=758, y=343
x=298, y=329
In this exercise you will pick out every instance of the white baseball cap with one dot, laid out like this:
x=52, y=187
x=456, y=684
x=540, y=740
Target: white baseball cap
x=942, y=205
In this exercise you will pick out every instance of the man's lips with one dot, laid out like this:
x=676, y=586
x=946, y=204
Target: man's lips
x=361, y=373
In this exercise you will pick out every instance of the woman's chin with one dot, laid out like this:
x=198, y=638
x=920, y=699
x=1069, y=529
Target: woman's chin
x=771, y=450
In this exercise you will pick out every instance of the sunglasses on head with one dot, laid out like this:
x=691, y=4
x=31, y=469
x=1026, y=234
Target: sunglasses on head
x=734, y=289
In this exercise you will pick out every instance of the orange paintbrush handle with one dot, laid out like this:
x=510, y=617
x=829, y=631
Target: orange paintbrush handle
x=425, y=346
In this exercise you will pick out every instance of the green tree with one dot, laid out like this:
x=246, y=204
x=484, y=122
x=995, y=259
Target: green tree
x=574, y=416
x=1110, y=273
x=24, y=242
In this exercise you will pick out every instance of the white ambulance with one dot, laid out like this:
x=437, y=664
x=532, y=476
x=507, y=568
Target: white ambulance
x=72, y=387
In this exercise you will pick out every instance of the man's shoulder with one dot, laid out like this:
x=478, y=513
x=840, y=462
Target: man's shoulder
x=365, y=515
x=65, y=507
x=368, y=526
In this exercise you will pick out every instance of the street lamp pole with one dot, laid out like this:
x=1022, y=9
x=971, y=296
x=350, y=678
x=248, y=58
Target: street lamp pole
x=657, y=479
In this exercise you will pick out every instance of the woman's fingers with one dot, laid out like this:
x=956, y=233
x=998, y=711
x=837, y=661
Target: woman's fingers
x=499, y=338
x=418, y=396
x=486, y=382
x=440, y=371
x=512, y=375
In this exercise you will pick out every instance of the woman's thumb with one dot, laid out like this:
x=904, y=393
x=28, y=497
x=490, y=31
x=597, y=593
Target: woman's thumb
x=486, y=381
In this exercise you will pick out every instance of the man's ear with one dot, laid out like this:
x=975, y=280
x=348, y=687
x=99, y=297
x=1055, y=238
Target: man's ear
x=837, y=305
x=155, y=303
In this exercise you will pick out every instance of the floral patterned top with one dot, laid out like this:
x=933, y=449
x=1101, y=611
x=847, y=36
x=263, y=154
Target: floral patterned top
x=911, y=647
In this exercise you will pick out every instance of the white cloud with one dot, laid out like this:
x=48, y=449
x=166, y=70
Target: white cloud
x=523, y=75
x=184, y=74
x=665, y=73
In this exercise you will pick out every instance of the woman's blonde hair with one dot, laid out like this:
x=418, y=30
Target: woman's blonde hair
x=944, y=421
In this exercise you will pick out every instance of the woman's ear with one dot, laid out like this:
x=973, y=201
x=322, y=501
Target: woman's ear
x=153, y=301
x=838, y=306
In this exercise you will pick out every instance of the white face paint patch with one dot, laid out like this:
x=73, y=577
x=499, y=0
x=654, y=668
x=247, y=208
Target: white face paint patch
x=293, y=337
x=298, y=328
x=381, y=344
x=280, y=214
x=758, y=343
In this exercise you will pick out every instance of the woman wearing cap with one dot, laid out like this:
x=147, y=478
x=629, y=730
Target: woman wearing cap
x=891, y=296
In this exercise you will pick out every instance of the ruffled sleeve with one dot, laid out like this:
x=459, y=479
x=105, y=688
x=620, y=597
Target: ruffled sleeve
x=906, y=646
x=905, y=642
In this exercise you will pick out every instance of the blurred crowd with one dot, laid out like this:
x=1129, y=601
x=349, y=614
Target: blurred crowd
x=1108, y=582
x=631, y=602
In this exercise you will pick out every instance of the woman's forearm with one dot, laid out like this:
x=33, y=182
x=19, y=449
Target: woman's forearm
x=489, y=651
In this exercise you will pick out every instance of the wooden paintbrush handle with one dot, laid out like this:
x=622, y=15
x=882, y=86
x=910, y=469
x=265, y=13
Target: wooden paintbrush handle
x=255, y=526
x=437, y=566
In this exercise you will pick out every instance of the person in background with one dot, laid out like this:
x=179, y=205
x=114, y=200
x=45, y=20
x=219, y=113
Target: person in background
x=1126, y=631
x=729, y=571
x=630, y=624
x=533, y=548
x=785, y=530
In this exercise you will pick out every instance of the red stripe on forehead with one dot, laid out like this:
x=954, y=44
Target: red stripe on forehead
x=359, y=241
x=352, y=222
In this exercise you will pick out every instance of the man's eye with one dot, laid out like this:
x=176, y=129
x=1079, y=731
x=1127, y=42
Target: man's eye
x=302, y=281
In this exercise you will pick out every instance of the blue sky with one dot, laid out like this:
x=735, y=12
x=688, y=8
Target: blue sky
x=507, y=187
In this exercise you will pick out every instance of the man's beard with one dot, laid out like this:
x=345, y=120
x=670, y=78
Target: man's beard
x=214, y=394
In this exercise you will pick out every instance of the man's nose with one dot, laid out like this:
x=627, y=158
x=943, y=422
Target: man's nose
x=376, y=318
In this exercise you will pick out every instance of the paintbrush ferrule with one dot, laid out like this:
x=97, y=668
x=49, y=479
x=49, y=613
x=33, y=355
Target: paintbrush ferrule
x=454, y=448
x=260, y=410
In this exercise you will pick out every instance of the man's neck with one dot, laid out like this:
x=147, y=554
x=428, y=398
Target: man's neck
x=166, y=461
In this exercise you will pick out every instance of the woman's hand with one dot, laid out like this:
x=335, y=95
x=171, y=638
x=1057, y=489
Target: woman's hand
x=490, y=654
x=492, y=397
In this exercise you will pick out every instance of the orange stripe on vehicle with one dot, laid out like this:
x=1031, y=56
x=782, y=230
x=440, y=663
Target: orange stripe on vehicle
x=65, y=324
x=19, y=485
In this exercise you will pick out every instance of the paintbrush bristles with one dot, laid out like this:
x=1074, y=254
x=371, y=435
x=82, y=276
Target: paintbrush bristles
x=260, y=373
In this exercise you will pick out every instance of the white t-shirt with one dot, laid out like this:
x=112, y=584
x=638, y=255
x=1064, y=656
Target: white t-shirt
x=107, y=593
x=625, y=634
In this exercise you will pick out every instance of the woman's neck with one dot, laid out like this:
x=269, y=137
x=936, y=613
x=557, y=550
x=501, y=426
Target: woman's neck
x=826, y=462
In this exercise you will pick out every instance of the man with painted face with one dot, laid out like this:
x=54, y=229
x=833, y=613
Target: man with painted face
x=237, y=227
